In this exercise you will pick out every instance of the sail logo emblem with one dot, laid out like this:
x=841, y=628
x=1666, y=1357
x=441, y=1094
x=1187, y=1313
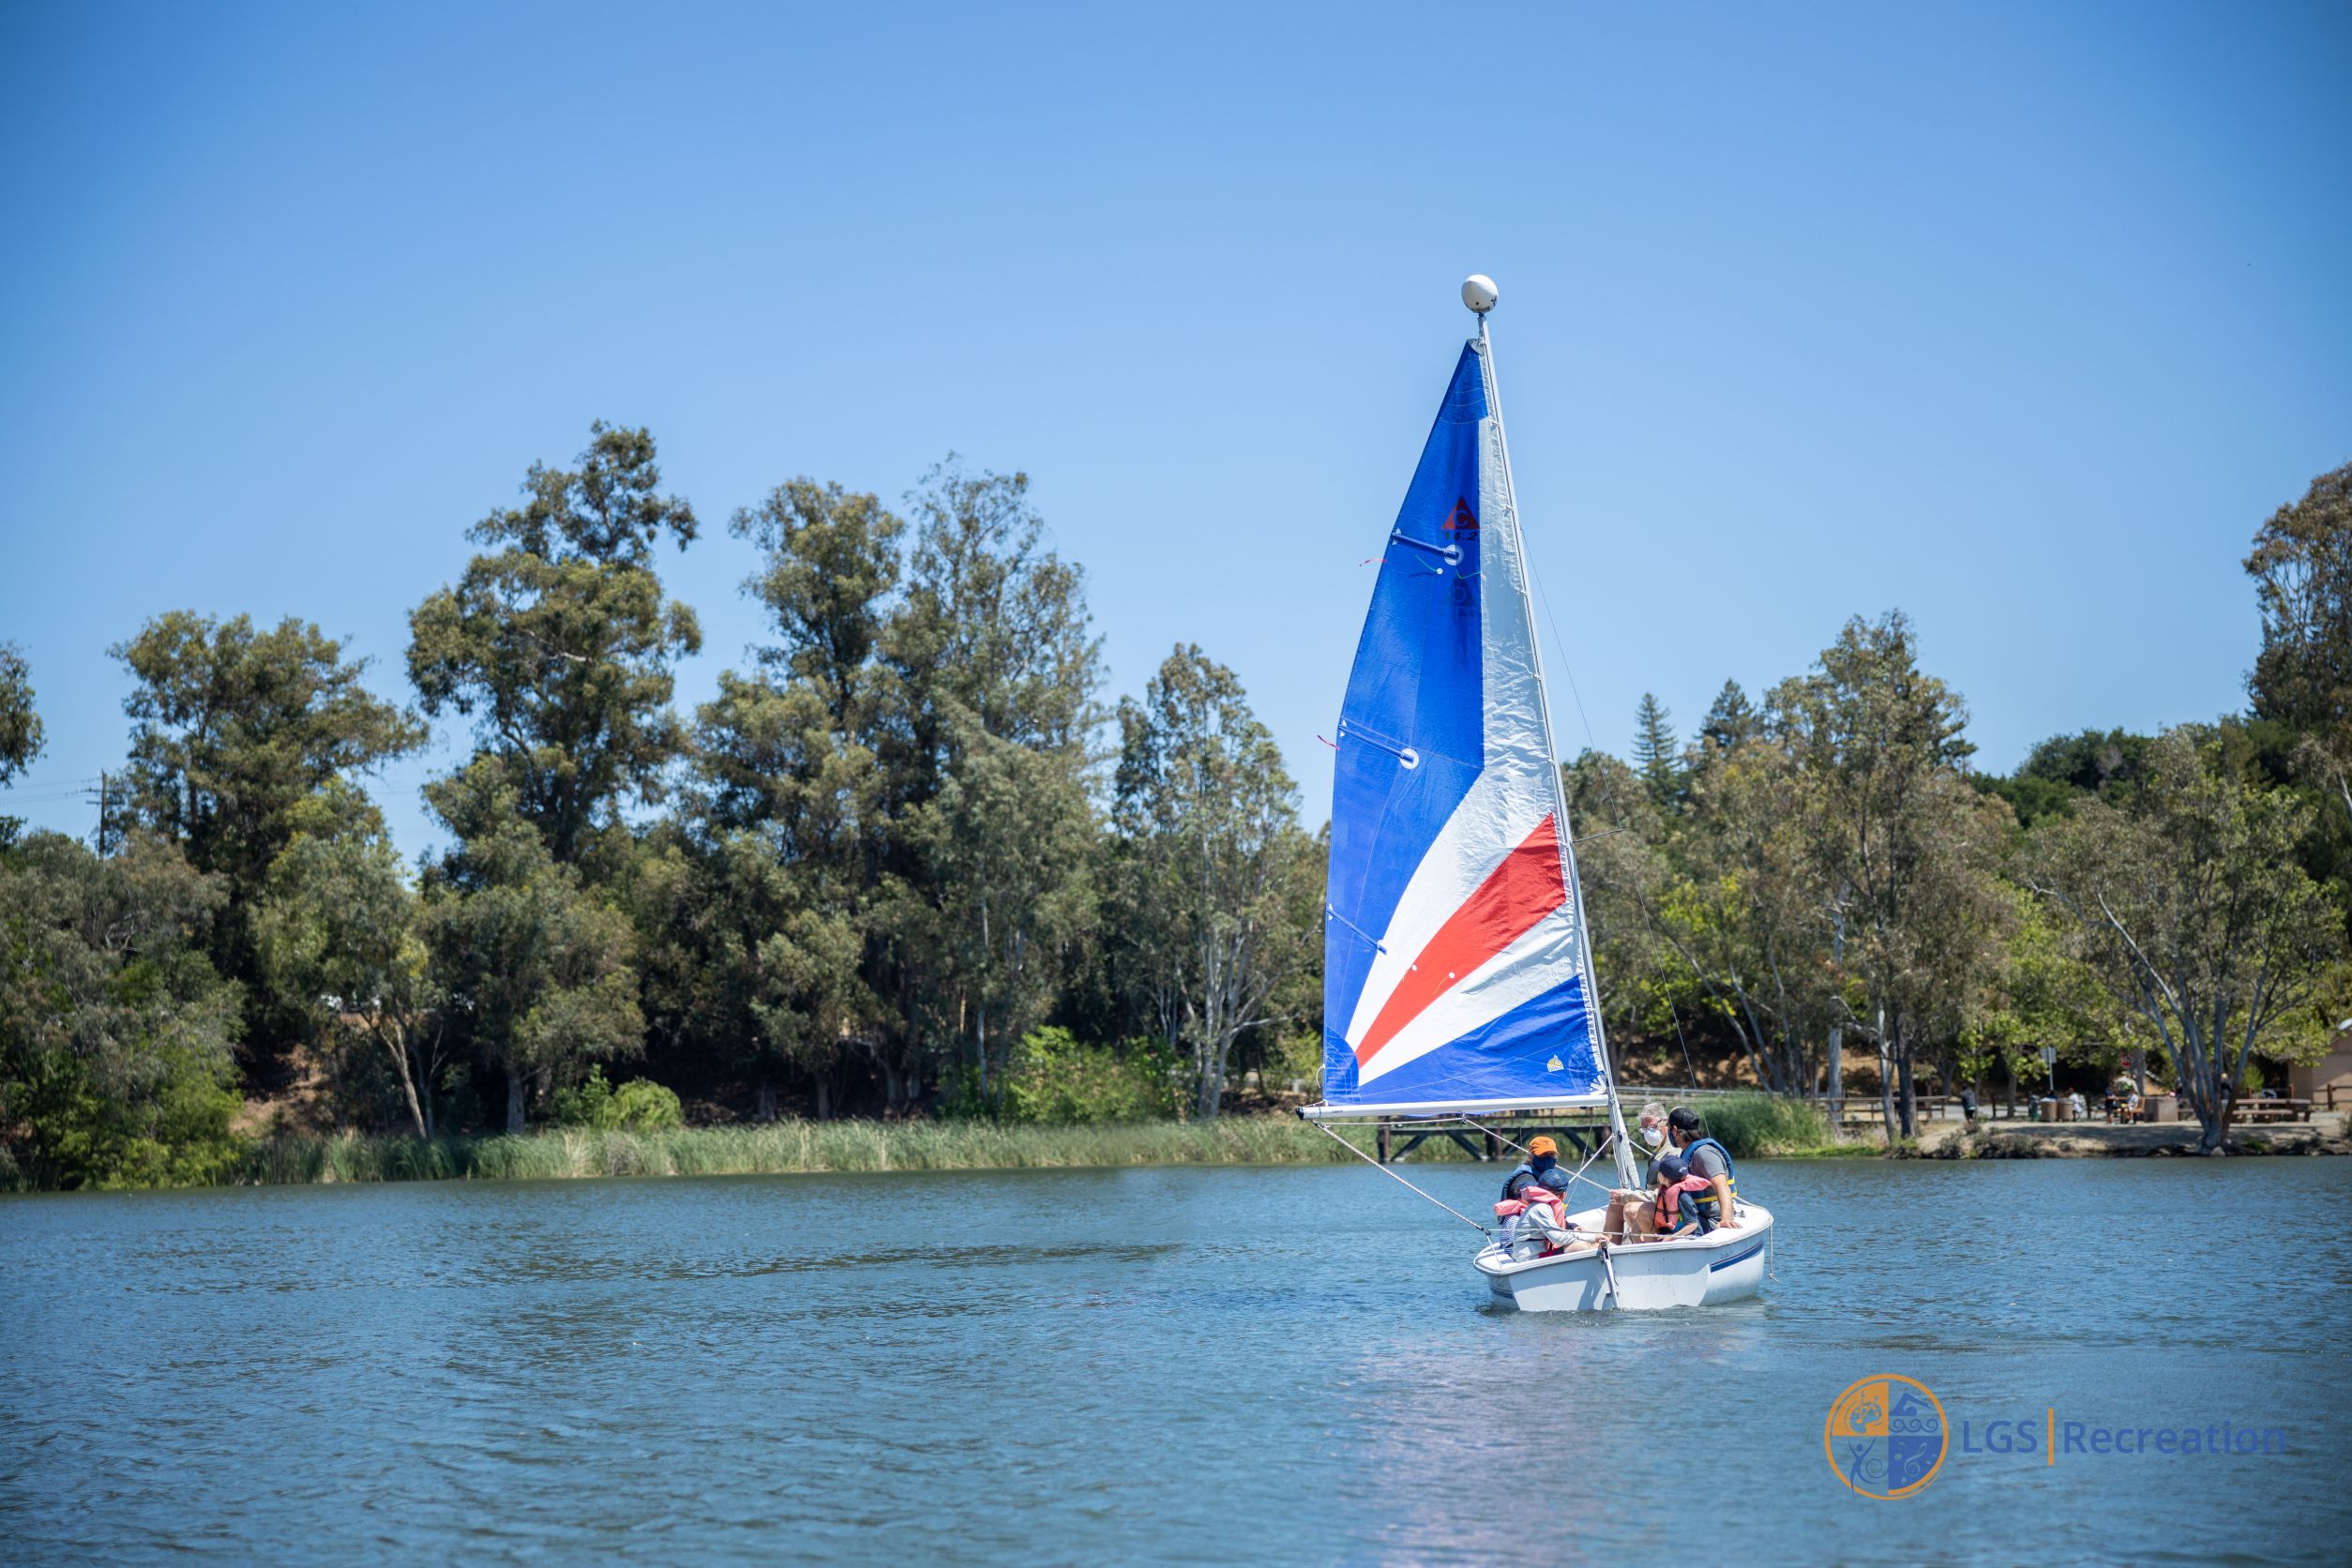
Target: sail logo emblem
x=1886, y=1437
x=1464, y=521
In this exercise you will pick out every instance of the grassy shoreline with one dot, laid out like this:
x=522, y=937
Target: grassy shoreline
x=1750, y=1126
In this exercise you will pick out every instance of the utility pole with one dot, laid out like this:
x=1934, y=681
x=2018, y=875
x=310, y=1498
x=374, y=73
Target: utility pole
x=103, y=840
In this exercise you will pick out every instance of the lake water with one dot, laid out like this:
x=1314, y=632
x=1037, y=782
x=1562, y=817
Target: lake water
x=1165, y=1365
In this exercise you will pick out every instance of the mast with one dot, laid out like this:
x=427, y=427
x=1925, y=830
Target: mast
x=1480, y=295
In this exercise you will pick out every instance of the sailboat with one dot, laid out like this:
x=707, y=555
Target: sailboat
x=1457, y=965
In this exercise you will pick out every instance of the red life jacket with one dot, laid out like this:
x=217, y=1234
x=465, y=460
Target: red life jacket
x=1669, y=1200
x=1510, y=1206
x=1536, y=1194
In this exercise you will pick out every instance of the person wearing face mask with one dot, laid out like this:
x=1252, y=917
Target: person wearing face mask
x=1630, y=1207
x=1651, y=1130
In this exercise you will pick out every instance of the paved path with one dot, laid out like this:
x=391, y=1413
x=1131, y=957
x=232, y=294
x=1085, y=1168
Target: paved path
x=2324, y=1134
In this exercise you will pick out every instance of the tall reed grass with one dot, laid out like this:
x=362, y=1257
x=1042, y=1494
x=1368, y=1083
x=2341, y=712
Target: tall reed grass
x=1753, y=1125
x=791, y=1146
x=1748, y=1124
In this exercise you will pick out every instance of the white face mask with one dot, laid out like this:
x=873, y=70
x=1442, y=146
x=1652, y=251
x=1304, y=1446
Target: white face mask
x=1653, y=1136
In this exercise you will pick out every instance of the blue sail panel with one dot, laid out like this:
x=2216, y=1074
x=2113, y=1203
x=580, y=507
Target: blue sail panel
x=1451, y=934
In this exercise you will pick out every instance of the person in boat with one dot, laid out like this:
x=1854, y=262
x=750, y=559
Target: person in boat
x=1629, y=1207
x=1686, y=1202
x=1535, y=1223
x=1541, y=1166
x=1650, y=1127
x=1706, y=1159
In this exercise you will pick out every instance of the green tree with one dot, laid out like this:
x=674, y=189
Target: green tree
x=115, y=1032
x=341, y=930
x=1900, y=847
x=2064, y=768
x=1213, y=892
x=988, y=924
x=2048, y=997
x=1746, y=917
x=559, y=644
x=982, y=732
x=780, y=810
x=774, y=877
x=1656, y=755
x=242, y=739
x=534, y=960
x=20, y=723
x=2301, y=565
x=2188, y=903
x=829, y=560
x=1731, y=723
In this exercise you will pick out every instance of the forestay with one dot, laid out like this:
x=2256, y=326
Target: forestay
x=1455, y=967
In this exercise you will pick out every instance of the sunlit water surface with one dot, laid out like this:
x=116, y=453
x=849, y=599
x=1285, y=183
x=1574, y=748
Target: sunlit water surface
x=1166, y=1366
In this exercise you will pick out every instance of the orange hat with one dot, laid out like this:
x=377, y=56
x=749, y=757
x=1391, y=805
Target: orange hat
x=1542, y=1145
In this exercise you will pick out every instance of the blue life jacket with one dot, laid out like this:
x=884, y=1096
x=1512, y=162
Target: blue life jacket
x=1709, y=1202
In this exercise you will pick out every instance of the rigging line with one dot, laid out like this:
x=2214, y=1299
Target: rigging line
x=1569, y=670
x=1399, y=1180
x=1576, y=1175
x=1676, y=1014
x=1565, y=667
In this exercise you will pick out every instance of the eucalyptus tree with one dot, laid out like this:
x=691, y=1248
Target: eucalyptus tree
x=780, y=810
x=341, y=932
x=1621, y=840
x=2301, y=564
x=243, y=739
x=1899, y=845
x=558, y=643
x=1746, y=916
x=534, y=960
x=986, y=708
x=2186, y=901
x=116, y=1032
x=20, y=721
x=772, y=878
x=1214, y=891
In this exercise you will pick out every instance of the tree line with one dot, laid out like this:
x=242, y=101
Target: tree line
x=908, y=861
x=1822, y=868
x=904, y=861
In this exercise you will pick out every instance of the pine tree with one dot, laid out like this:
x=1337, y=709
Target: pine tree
x=1655, y=755
x=1729, y=722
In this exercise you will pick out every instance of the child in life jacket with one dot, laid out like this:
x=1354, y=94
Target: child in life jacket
x=1686, y=1203
x=1535, y=1222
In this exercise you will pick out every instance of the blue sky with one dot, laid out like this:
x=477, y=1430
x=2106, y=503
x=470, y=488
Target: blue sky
x=2019, y=317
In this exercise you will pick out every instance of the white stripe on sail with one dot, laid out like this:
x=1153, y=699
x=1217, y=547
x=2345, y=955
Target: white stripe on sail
x=1540, y=960
x=1514, y=790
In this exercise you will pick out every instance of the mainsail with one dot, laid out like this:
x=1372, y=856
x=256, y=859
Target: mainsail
x=1457, y=972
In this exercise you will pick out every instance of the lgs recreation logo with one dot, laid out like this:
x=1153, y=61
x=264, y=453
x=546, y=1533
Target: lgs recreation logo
x=1886, y=1436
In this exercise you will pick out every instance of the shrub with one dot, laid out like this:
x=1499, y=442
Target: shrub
x=1054, y=1078
x=639, y=1106
x=1757, y=1124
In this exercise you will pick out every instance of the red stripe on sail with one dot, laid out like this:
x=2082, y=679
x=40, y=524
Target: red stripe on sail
x=1517, y=895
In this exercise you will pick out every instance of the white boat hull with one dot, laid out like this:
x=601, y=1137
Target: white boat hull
x=1636, y=1276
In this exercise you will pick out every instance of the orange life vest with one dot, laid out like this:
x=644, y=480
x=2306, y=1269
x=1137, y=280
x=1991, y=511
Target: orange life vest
x=1537, y=1194
x=1669, y=1200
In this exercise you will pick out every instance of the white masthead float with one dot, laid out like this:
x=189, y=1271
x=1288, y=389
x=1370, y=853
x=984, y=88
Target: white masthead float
x=1457, y=970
